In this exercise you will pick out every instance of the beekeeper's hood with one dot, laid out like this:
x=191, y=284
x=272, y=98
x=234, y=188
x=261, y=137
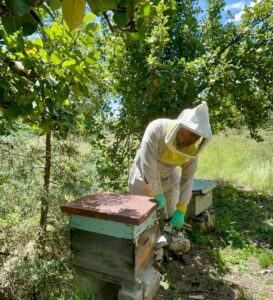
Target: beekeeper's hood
x=195, y=120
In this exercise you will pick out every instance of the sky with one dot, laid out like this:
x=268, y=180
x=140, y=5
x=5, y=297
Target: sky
x=236, y=7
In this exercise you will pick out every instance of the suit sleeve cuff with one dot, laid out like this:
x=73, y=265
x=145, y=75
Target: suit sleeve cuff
x=181, y=207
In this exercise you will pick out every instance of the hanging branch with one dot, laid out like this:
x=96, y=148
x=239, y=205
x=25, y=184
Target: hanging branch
x=108, y=22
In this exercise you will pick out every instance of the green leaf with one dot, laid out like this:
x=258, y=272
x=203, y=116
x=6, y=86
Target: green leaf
x=27, y=63
x=69, y=62
x=110, y=4
x=90, y=27
x=21, y=43
x=147, y=9
x=43, y=54
x=88, y=18
x=55, y=58
x=99, y=6
x=11, y=23
x=24, y=100
x=56, y=29
x=134, y=36
x=38, y=42
x=29, y=24
x=73, y=12
x=63, y=91
x=84, y=89
x=94, y=55
x=21, y=7
x=28, y=108
x=93, y=4
x=55, y=4
x=120, y=19
x=44, y=126
x=12, y=111
x=76, y=91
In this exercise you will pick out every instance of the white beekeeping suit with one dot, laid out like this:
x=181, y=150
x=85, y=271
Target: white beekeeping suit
x=154, y=166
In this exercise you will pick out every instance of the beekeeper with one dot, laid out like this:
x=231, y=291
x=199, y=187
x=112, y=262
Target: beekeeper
x=167, y=144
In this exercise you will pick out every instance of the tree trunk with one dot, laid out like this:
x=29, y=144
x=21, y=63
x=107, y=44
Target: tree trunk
x=44, y=198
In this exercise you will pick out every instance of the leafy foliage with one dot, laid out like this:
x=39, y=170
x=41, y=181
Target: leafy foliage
x=182, y=60
x=25, y=13
x=47, y=78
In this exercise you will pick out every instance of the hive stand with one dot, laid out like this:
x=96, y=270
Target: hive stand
x=112, y=240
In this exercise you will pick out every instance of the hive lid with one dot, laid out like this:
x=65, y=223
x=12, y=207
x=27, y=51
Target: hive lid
x=128, y=209
x=203, y=186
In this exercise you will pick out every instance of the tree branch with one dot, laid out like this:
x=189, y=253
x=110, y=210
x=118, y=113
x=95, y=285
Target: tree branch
x=108, y=22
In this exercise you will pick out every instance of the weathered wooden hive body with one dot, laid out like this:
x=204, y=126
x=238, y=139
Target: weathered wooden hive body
x=200, y=209
x=112, y=239
x=201, y=196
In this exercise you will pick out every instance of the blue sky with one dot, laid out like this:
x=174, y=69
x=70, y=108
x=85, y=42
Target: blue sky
x=236, y=7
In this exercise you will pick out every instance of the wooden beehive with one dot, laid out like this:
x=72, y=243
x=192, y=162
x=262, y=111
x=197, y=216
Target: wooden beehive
x=201, y=196
x=113, y=236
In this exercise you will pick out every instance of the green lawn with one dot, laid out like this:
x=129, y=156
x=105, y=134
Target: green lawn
x=234, y=158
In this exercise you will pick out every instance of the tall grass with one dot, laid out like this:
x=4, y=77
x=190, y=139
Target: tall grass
x=235, y=158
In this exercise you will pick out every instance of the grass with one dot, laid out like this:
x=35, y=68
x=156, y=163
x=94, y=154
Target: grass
x=243, y=219
x=235, y=158
x=244, y=295
x=243, y=202
x=266, y=259
x=242, y=228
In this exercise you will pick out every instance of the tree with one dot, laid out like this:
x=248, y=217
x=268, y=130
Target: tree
x=238, y=73
x=181, y=61
x=46, y=81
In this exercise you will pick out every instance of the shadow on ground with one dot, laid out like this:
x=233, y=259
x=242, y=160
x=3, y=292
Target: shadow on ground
x=241, y=225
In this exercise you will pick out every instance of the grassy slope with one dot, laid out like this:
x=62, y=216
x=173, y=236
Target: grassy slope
x=240, y=160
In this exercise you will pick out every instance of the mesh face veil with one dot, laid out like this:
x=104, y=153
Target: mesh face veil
x=195, y=120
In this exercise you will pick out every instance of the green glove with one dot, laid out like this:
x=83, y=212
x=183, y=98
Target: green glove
x=177, y=220
x=160, y=200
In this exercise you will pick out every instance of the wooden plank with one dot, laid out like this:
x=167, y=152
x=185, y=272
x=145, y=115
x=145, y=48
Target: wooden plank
x=91, y=274
x=199, y=203
x=111, y=228
x=144, y=254
x=103, y=254
x=128, y=209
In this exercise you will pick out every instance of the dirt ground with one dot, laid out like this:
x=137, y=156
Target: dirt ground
x=198, y=278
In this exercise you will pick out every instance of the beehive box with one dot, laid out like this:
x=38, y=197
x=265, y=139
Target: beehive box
x=113, y=238
x=201, y=196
